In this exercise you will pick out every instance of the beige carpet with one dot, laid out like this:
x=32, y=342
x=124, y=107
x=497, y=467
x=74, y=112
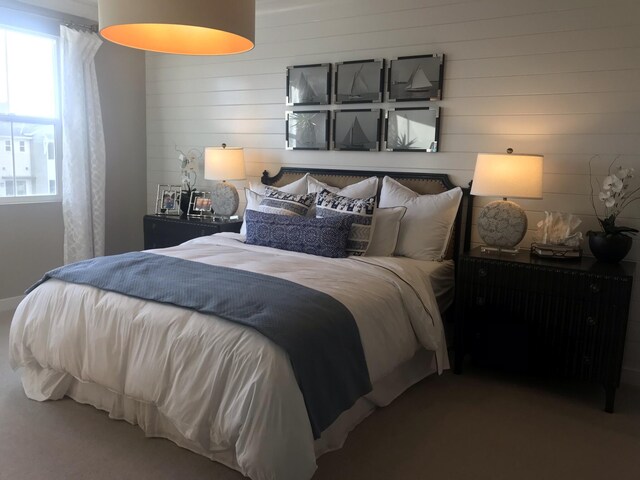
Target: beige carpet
x=476, y=426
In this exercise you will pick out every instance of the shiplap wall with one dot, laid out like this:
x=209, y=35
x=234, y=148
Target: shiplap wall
x=555, y=77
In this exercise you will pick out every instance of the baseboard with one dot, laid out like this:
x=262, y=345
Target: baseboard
x=8, y=304
x=630, y=377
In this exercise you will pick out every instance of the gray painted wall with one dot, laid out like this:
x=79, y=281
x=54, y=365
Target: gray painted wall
x=121, y=78
x=31, y=235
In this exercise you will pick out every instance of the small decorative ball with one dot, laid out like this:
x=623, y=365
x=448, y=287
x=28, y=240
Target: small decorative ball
x=502, y=224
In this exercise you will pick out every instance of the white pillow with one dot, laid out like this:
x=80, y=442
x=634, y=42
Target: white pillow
x=299, y=187
x=363, y=189
x=253, y=202
x=426, y=227
x=255, y=193
x=386, y=223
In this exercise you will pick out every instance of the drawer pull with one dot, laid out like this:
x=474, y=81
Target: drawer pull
x=591, y=321
x=594, y=287
x=482, y=272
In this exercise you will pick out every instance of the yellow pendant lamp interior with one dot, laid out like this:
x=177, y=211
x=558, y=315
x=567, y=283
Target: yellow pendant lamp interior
x=186, y=27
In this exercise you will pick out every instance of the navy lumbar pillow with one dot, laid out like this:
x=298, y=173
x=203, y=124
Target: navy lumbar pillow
x=326, y=237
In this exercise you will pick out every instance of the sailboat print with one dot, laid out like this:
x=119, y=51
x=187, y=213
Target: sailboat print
x=355, y=136
x=418, y=81
x=359, y=85
x=306, y=93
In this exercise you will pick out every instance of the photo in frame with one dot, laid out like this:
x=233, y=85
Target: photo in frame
x=168, y=200
x=415, y=78
x=412, y=129
x=309, y=84
x=307, y=130
x=357, y=130
x=359, y=81
x=200, y=204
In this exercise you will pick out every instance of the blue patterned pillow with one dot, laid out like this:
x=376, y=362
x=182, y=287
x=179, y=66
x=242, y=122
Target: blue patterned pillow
x=283, y=203
x=326, y=237
x=360, y=210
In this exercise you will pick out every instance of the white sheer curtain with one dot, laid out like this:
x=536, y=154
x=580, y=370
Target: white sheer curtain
x=83, y=150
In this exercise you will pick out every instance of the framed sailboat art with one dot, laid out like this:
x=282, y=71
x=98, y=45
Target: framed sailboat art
x=357, y=130
x=415, y=78
x=359, y=81
x=307, y=130
x=309, y=84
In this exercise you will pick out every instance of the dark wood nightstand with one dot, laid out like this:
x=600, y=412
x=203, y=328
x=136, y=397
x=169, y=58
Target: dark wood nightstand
x=162, y=231
x=562, y=317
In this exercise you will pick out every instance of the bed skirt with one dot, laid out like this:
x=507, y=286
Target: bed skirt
x=47, y=384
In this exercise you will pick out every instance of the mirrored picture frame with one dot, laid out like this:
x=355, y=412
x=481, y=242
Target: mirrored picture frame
x=412, y=130
x=359, y=81
x=200, y=204
x=307, y=130
x=415, y=78
x=168, y=200
x=309, y=84
x=357, y=130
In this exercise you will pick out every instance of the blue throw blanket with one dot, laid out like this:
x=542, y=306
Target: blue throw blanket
x=318, y=333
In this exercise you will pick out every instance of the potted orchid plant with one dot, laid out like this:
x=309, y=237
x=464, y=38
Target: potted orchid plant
x=189, y=173
x=613, y=242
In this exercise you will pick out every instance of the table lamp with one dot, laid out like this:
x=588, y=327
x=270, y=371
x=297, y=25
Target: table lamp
x=222, y=164
x=503, y=223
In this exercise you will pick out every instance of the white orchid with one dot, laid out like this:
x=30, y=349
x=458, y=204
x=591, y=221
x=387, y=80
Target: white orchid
x=189, y=167
x=615, y=196
x=612, y=182
x=623, y=173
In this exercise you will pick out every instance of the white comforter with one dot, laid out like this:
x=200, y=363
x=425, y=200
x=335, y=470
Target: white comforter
x=223, y=386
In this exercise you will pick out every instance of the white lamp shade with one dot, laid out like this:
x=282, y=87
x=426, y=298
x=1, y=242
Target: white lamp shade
x=224, y=163
x=188, y=27
x=508, y=176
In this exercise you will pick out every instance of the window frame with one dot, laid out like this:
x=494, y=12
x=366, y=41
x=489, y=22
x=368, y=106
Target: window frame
x=55, y=122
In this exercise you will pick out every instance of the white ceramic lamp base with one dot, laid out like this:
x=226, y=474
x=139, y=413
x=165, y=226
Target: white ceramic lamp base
x=224, y=199
x=502, y=225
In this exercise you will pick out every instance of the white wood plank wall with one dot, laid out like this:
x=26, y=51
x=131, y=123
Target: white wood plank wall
x=556, y=77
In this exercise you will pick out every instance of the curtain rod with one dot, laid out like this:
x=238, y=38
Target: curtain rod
x=80, y=26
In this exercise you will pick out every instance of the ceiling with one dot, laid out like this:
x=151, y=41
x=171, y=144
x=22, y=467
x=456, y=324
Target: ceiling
x=80, y=8
x=89, y=8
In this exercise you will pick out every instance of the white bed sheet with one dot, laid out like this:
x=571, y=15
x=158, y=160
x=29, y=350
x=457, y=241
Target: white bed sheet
x=226, y=390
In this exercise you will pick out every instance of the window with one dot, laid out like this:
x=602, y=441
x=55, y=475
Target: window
x=29, y=120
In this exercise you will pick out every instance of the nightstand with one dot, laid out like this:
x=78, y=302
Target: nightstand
x=561, y=317
x=162, y=231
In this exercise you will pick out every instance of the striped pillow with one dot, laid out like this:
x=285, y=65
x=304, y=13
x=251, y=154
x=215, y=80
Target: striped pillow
x=282, y=203
x=360, y=210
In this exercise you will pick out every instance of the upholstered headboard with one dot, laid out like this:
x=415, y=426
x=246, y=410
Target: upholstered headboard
x=422, y=183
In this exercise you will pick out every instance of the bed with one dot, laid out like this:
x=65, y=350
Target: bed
x=221, y=389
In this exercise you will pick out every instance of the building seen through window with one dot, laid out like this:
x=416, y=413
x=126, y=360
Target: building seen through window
x=29, y=120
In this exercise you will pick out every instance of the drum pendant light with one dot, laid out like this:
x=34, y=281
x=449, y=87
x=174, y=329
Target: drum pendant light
x=187, y=27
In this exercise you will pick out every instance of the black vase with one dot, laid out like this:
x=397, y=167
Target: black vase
x=185, y=198
x=609, y=247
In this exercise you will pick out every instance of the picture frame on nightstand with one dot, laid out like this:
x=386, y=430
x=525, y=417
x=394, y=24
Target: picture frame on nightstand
x=200, y=205
x=168, y=200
